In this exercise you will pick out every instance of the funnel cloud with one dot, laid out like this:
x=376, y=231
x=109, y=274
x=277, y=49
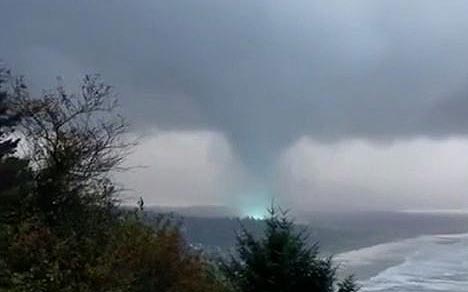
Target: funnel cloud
x=241, y=101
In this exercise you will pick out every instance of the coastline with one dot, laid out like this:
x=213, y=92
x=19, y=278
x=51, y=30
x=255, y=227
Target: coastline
x=368, y=262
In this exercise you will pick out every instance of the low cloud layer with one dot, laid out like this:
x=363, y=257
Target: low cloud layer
x=358, y=174
x=183, y=169
x=262, y=74
x=187, y=168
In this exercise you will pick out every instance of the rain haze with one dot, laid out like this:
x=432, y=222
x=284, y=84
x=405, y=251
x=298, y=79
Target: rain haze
x=317, y=104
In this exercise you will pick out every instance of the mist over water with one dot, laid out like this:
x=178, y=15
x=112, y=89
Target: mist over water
x=423, y=264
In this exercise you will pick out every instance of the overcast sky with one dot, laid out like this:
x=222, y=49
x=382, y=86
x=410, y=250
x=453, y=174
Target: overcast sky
x=320, y=104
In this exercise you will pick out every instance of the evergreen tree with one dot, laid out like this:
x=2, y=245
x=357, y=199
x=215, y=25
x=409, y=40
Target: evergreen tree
x=281, y=261
x=8, y=117
x=13, y=171
x=348, y=285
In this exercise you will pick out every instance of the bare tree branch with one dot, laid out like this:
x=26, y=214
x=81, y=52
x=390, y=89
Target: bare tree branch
x=73, y=141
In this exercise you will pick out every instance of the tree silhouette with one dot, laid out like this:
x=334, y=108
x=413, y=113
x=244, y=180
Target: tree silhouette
x=281, y=261
x=8, y=117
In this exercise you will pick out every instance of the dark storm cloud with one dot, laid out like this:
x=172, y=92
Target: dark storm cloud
x=264, y=73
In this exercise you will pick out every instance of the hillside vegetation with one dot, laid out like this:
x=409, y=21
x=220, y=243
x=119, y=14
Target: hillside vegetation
x=62, y=228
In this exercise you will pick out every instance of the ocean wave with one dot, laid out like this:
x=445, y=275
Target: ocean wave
x=423, y=264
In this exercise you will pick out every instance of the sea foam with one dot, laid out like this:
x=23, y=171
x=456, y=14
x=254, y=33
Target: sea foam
x=423, y=264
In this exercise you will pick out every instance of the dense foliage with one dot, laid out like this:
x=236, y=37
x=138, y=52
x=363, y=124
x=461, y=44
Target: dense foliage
x=61, y=227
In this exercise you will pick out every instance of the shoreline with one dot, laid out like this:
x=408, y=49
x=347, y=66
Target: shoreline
x=368, y=262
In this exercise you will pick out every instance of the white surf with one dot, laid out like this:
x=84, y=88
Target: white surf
x=423, y=264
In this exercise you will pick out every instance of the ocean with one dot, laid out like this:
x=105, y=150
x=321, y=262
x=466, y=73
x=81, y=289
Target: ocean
x=424, y=264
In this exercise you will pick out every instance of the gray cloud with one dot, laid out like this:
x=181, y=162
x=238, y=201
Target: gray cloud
x=185, y=168
x=354, y=174
x=262, y=73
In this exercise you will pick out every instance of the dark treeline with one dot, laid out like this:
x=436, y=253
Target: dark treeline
x=61, y=227
x=336, y=232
